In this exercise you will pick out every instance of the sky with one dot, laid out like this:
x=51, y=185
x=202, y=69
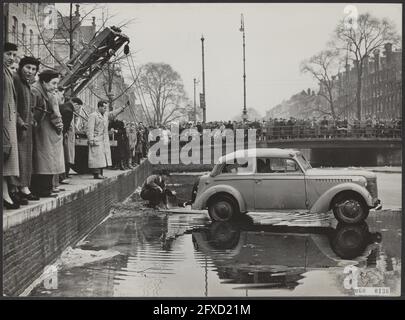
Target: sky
x=278, y=38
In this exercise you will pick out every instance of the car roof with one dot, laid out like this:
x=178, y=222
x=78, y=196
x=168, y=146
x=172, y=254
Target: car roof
x=258, y=153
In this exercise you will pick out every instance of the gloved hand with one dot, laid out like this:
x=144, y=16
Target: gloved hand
x=24, y=126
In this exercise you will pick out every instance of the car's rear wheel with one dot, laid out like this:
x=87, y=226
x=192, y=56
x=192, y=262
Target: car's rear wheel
x=223, y=208
x=224, y=235
x=350, y=209
x=349, y=241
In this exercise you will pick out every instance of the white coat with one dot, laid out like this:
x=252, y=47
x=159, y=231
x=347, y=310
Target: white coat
x=97, y=130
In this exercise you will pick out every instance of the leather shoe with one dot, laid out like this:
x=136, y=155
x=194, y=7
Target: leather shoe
x=17, y=199
x=10, y=206
x=99, y=176
x=29, y=197
x=47, y=195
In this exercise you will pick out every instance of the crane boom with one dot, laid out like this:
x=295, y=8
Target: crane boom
x=87, y=63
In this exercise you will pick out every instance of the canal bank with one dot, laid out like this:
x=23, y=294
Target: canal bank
x=155, y=254
x=35, y=235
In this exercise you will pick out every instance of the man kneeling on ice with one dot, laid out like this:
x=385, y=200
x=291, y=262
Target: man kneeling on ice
x=154, y=189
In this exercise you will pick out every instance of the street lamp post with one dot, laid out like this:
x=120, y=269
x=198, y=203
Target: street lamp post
x=195, y=105
x=242, y=29
x=203, y=81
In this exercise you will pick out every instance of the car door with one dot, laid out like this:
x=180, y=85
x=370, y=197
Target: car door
x=240, y=176
x=279, y=184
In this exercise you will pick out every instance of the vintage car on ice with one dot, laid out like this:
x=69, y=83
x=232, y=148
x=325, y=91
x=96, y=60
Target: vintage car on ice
x=282, y=179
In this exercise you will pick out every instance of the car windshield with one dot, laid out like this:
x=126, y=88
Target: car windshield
x=303, y=162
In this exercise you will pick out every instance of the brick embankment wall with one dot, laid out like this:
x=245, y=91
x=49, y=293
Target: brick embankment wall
x=37, y=241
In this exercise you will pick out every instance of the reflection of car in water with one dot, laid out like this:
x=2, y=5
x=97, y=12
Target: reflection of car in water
x=276, y=256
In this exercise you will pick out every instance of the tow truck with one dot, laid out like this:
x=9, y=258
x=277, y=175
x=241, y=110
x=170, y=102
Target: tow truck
x=84, y=66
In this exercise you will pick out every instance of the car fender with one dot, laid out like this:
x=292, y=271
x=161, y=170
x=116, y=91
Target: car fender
x=323, y=202
x=201, y=200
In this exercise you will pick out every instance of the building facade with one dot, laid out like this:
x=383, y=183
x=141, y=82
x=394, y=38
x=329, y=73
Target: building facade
x=381, y=94
x=303, y=105
x=25, y=24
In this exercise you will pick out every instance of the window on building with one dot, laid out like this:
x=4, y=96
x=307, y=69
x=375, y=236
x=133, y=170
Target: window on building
x=31, y=42
x=14, y=29
x=23, y=37
x=32, y=11
x=25, y=5
x=38, y=44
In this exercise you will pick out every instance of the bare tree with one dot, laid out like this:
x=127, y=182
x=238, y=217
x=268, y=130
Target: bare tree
x=112, y=81
x=65, y=34
x=361, y=38
x=321, y=66
x=164, y=91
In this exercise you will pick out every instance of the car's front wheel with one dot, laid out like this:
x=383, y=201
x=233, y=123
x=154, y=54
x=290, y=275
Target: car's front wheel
x=223, y=208
x=350, y=209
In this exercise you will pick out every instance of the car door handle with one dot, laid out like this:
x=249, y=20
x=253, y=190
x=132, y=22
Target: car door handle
x=258, y=181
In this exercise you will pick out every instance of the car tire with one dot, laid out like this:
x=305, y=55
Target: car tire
x=350, y=209
x=224, y=235
x=223, y=208
x=350, y=241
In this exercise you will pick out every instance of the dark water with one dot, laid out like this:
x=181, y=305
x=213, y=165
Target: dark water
x=185, y=255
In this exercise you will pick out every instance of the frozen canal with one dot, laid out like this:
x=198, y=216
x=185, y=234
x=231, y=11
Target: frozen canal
x=140, y=253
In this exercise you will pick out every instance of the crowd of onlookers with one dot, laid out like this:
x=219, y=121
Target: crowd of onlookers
x=294, y=128
x=132, y=143
x=37, y=130
x=40, y=128
x=329, y=127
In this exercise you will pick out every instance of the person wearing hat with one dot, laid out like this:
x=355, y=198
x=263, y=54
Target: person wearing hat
x=10, y=143
x=27, y=69
x=48, y=157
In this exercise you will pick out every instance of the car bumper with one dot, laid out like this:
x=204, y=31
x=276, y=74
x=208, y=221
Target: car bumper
x=377, y=205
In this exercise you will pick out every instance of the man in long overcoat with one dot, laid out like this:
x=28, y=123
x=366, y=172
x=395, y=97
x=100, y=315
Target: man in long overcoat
x=99, y=142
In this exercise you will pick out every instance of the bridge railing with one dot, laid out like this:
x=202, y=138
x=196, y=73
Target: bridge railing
x=305, y=132
x=299, y=132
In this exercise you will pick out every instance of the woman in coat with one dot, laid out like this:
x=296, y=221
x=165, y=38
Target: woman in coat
x=26, y=72
x=48, y=157
x=10, y=162
x=99, y=142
